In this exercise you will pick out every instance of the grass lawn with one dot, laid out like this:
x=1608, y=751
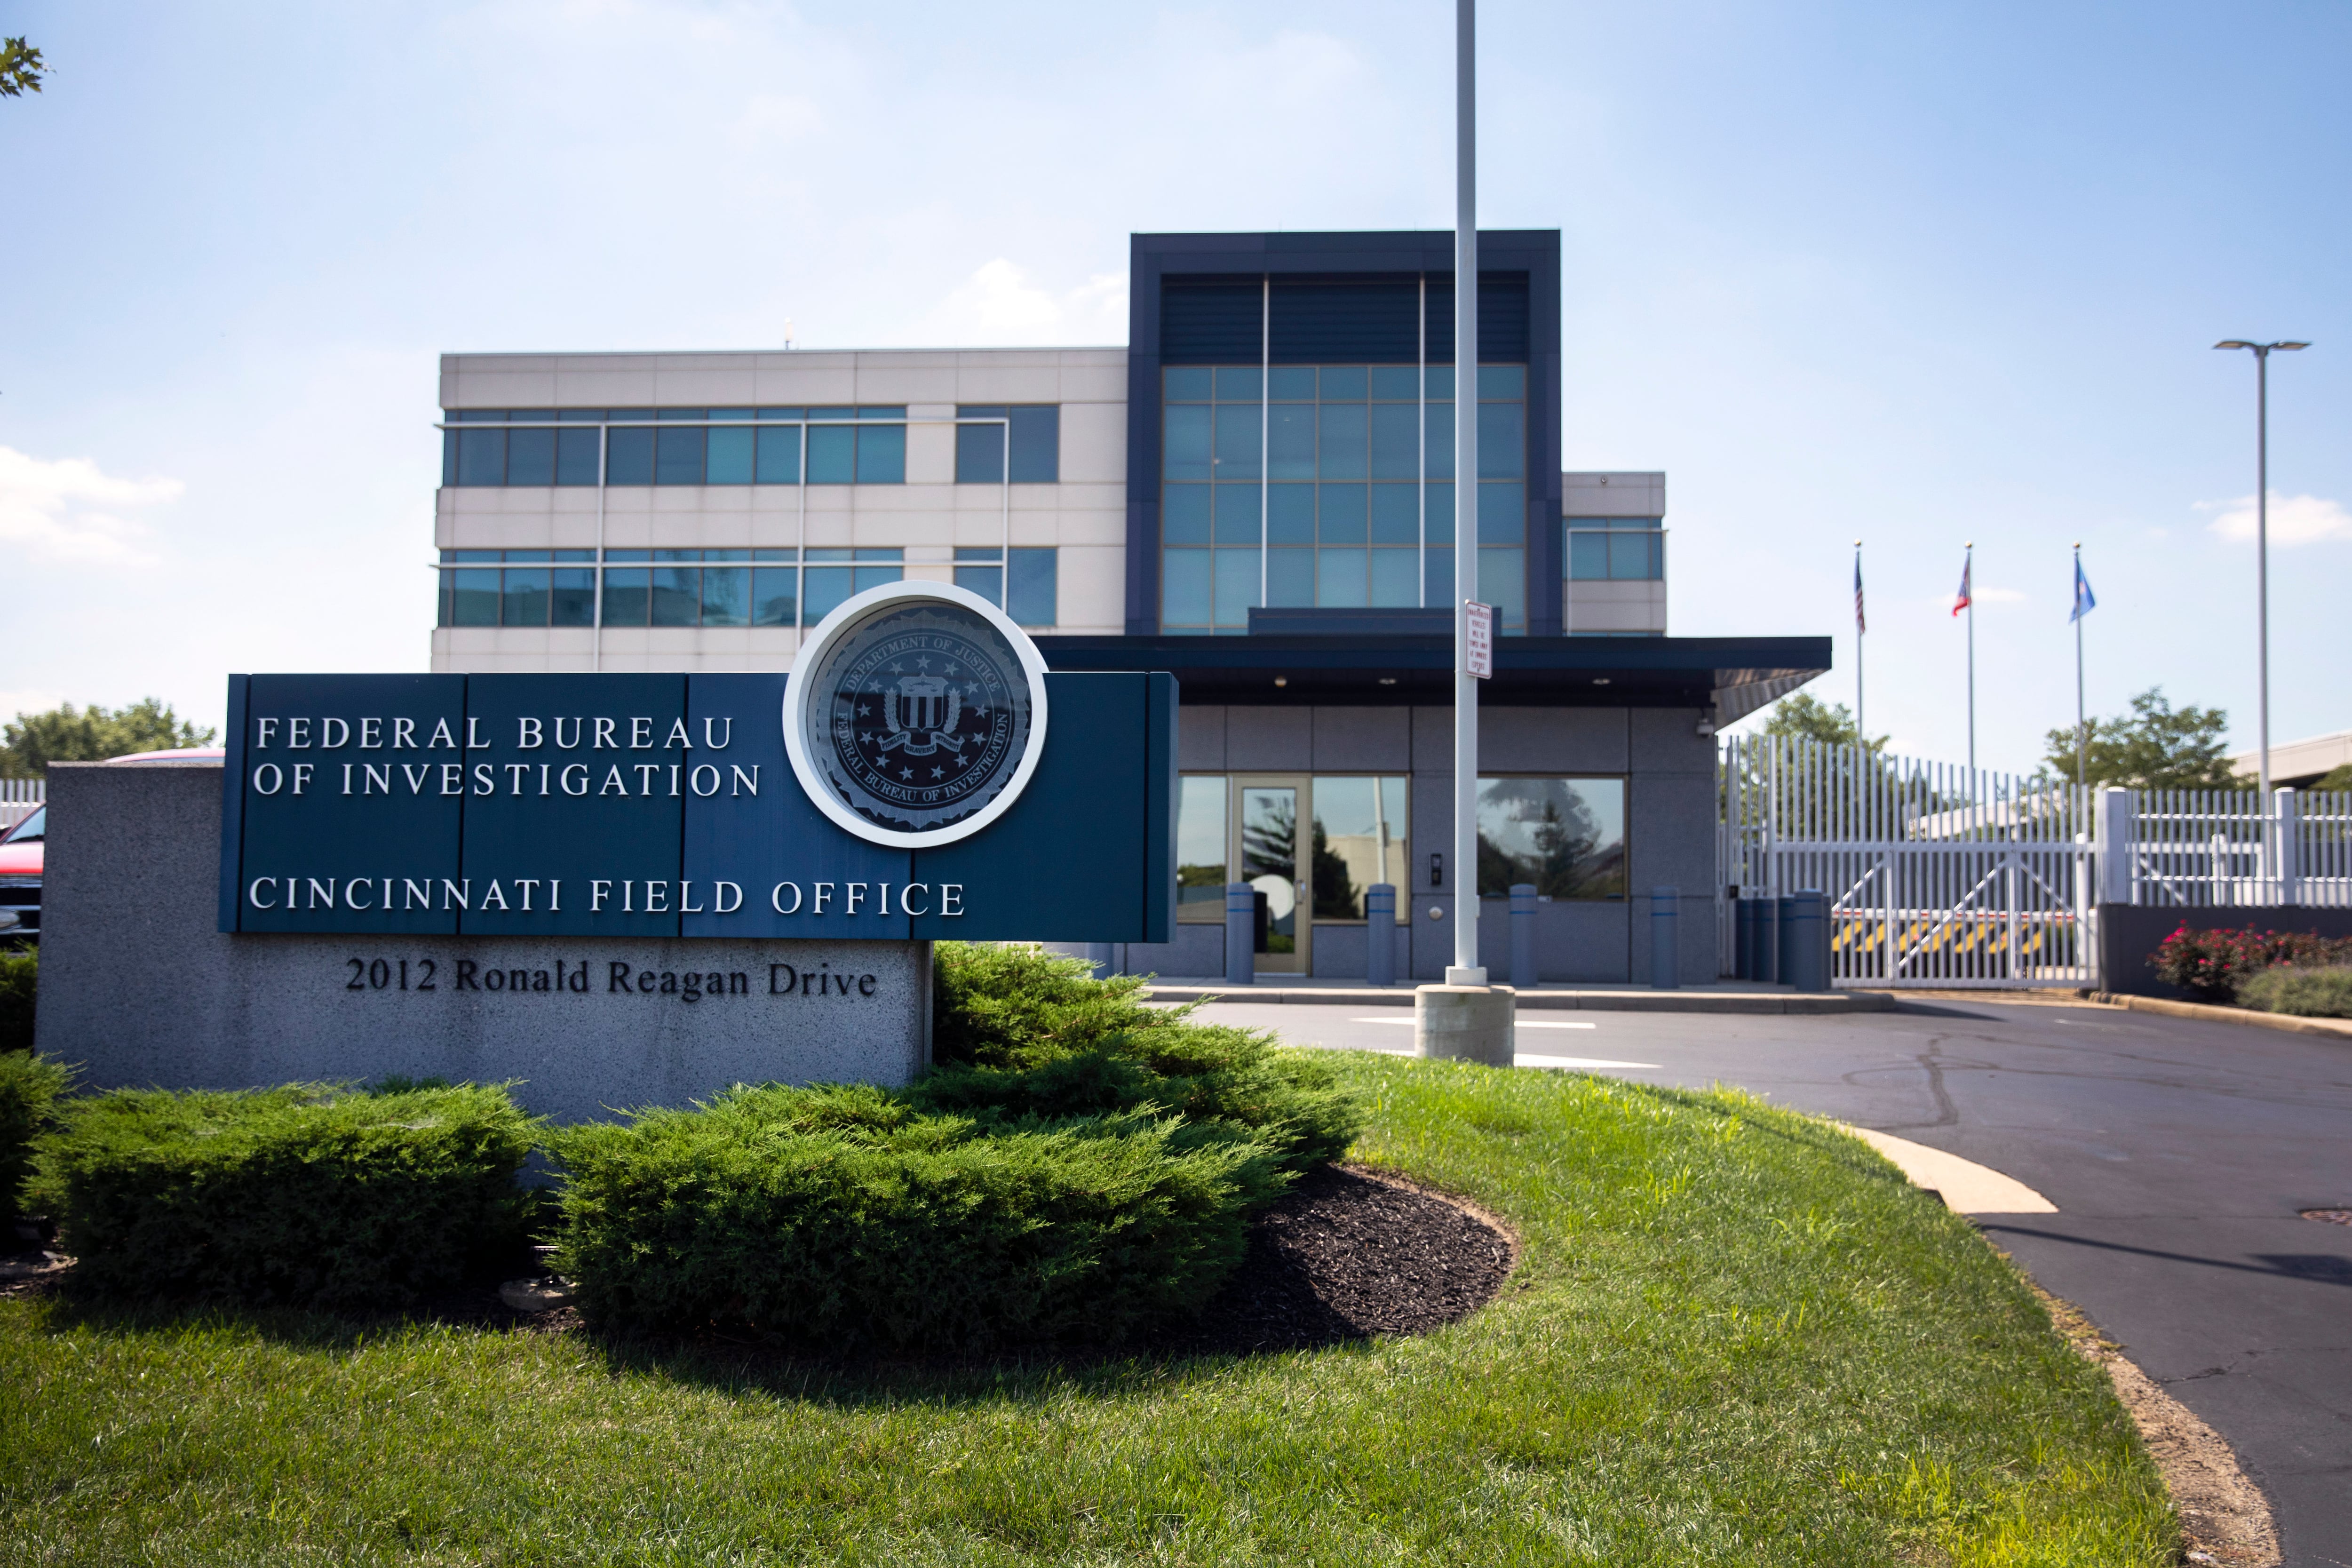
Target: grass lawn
x=1734, y=1336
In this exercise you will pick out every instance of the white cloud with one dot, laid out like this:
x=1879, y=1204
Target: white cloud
x=61, y=510
x=2294, y=519
x=998, y=304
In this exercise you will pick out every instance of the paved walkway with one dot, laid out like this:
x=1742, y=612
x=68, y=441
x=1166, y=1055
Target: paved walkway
x=2178, y=1155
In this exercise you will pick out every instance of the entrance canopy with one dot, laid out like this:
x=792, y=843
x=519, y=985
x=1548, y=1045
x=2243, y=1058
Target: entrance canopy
x=1378, y=658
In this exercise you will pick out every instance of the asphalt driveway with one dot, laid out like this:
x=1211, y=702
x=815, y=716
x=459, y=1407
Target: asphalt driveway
x=2179, y=1153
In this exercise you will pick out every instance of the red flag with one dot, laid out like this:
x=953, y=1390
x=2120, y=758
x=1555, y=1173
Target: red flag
x=1967, y=564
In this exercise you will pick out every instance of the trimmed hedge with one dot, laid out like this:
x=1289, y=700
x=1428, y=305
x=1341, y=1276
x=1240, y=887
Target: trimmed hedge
x=1080, y=1165
x=309, y=1195
x=2304, y=993
x=20, y=974
x=844, y=1215
x=1022, y=1033
x=29, y=1086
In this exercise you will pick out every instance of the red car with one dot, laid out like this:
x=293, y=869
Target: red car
x=20, y=875
x=20, y=851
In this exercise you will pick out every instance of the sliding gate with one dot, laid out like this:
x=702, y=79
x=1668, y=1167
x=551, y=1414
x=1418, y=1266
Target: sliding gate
x=1936, y=876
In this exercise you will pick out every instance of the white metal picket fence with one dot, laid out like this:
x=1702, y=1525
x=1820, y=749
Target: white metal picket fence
x=2219, y=849
x=1939, y=877
x=1935, y=876
x=20, y=798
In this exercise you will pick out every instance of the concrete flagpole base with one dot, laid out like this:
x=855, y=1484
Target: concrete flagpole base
x=1465, y=1023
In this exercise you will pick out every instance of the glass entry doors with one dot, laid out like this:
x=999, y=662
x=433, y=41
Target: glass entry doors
x=1310, y=847
x=1271, y=854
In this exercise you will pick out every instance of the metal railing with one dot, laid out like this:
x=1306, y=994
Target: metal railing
x=20, y=798
x=2222, y=849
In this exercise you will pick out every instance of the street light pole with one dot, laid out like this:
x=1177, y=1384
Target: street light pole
x=2262, y=353
x=1465, y=969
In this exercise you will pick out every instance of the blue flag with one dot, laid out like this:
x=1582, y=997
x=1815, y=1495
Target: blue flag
x=2084, y=601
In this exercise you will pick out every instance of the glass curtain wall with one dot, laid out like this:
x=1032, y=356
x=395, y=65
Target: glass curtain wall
x=1332, y=486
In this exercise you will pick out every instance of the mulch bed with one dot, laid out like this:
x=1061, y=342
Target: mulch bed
x=1345, y=1254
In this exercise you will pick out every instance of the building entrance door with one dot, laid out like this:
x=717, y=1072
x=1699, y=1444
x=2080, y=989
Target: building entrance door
x=1270, y=817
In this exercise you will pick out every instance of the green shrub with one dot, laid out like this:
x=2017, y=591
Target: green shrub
x=18, y=973
x=1022, y=1033
x=28, y=1087
x=1079, y=1164
x=309, y=1195
x=847, y=1214
x=2305, y=993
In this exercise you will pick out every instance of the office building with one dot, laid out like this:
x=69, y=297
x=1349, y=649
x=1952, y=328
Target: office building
x=1257, y=491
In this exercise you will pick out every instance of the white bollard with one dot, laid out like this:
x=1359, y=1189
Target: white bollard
x=1465, y=1023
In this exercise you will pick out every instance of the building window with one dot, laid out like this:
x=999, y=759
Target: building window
x=1332, y=485
x=1200, y=874
x=1031, y=599
x=1616, y=550
x=657, y=587
x=529, y=588
x=834, y=576
x=1034, y=432
x=865, y=444
x=1359, y=840
x=1567, y=837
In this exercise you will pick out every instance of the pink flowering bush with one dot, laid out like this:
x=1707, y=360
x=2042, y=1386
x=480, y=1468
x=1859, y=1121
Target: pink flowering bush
x=2214, y=963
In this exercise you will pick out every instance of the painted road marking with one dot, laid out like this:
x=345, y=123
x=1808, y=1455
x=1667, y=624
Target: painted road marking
x=1516, y=1023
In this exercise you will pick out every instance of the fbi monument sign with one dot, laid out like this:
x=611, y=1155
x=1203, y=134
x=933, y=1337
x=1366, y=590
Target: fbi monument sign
x=622, y=889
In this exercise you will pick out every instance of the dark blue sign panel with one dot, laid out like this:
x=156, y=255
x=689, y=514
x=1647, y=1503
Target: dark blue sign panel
x=574, y=807
x=795, y=873
x=1090, y=844
x=665, y=805
x=356, y=781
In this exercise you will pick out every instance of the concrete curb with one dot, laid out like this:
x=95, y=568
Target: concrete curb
x=1818, y=1002
x=2339, y=1028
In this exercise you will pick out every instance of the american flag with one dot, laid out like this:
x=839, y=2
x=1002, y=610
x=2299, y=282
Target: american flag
x=1968, y=565
x=1860, y=625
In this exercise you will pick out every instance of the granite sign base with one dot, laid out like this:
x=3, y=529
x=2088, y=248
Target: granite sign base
x=137, y=987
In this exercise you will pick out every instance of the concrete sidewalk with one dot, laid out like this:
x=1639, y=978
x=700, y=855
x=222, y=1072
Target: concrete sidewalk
x=1724, y=996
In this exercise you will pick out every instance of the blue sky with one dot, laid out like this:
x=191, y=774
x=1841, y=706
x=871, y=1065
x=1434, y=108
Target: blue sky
x=1916, y=274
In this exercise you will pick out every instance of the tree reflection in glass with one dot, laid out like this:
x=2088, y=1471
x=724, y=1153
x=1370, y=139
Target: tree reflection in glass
x=1270, y=860
x=1567, y=837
